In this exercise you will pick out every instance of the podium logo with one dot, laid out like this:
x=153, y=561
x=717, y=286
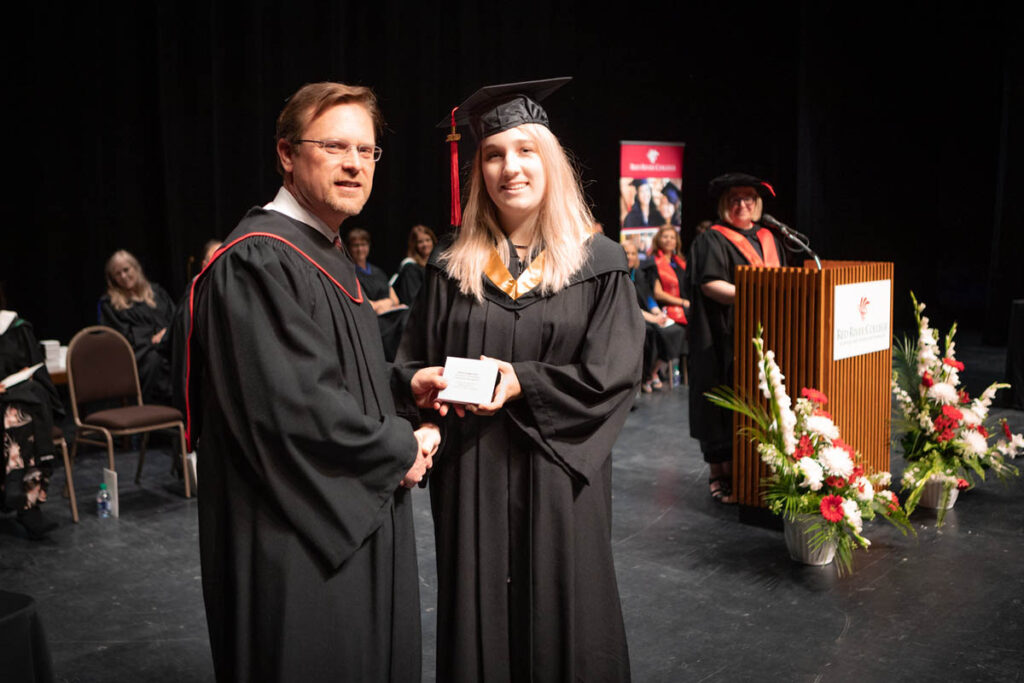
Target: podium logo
x=862, y=307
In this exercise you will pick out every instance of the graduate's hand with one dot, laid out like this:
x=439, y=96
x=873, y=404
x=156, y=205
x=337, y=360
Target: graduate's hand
x=508, y=389
x=156, y=338
x=425, y=385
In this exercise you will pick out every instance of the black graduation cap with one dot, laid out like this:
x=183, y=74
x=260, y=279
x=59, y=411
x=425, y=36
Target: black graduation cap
x=670, y=190
x=496, y=108
x=723, y=182
x=493, y=109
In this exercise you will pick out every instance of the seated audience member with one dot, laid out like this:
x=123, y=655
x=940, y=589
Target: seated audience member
x=142, y=312
x=409, y=278
x=391, y=313
x=28, y=409
x=664, y=340
x=668, y=274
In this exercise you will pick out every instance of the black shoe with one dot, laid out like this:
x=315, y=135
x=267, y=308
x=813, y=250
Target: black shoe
x=35, y=524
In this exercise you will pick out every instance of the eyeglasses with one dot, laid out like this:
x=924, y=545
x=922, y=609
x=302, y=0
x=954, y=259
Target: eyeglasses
x=736, y=201
x=365, y=152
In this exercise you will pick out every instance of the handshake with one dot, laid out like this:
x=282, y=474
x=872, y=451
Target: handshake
x=428, y=438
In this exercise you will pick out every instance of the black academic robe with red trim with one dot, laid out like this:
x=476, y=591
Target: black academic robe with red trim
x=710, y=336
x=522, y=499
x=307, y=545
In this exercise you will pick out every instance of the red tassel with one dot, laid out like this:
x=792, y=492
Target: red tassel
x=453, y=139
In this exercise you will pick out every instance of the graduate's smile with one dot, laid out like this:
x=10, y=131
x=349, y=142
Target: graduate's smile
x=513, y=172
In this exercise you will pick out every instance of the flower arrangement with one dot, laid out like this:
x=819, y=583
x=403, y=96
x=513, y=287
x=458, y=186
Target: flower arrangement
x=944, y=434
x=813, y=473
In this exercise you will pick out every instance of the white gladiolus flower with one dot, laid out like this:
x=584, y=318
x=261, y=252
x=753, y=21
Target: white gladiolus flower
x=970, y=417
x=865, y=491
x=812, y=472
x=819, y=424
x=926, y=423
x=973, y=442
x=836, y=461
x=943, y=392
x=851, y=510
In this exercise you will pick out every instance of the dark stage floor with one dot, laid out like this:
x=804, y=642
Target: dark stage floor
x=705, y=597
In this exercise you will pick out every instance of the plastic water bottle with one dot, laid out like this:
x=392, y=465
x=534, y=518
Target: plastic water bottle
x=103, y=502
x=677, y=379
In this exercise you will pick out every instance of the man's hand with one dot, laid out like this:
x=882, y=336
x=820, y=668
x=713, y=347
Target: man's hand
x=425, y=385
x=156, y=338
x=428, y=438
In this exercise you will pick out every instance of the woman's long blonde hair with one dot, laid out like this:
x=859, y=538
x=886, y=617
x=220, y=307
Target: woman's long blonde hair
x=563, y=223
x=122, y=299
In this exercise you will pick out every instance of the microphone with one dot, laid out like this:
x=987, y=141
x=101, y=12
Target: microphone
x=791, y=235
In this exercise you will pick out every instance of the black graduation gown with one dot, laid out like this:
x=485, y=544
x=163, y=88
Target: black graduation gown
x=522, y=500
x=307, y=544
x=377, y=286
x=408, y=281
x=138, y=323
x=710, y=338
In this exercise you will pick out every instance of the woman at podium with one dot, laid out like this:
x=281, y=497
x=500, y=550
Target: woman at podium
x=736, y=239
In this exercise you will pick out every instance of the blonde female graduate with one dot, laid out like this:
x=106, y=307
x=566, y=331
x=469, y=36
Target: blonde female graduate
x=521, y=491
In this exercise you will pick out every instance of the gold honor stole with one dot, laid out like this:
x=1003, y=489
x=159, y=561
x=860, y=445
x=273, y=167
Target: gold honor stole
x=497, y=272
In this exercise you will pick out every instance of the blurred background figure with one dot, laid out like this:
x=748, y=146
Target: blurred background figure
x=664, y=339
x=141, y=311
x=407, y=281
x=28, y=409
x=391, y=313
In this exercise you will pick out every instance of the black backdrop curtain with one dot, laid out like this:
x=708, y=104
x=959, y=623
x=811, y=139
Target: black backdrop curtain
x=149, y=127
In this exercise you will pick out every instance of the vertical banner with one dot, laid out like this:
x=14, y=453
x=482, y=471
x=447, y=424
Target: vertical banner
x=650, y=180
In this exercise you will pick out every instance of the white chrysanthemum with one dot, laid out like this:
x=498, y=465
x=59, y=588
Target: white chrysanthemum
x=819, y=424
x=851, y=510
x=813, y=474
x=836, y=461
x=973, y=442
x=970, y=417
x=944, y=393
x=865, y=491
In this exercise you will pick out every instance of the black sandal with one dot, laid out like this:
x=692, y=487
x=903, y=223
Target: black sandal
x=721, y=489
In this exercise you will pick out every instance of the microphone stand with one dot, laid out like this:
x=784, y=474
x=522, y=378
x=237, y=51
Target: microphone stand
x=792, y=236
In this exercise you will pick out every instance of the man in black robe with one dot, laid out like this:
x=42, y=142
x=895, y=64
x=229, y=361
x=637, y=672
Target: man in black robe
x=306, y=534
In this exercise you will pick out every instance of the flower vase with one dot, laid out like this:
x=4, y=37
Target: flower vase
x=931, y=497
x=798, y=542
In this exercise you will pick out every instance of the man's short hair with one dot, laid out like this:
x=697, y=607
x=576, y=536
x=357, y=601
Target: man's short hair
x=314, y=99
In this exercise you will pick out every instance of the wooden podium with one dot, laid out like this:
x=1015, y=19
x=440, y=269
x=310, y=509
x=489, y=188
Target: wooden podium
x=796, y=307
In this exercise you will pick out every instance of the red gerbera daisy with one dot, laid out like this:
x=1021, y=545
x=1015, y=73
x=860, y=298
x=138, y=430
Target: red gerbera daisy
x=953, y=363
x=835, y=482
x=814, y=396
x=832, y=508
